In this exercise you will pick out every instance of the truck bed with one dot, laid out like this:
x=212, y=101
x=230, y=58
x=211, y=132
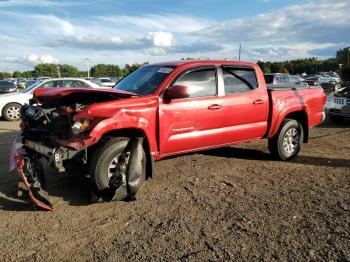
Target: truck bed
x=271, y=87
x=284, y=100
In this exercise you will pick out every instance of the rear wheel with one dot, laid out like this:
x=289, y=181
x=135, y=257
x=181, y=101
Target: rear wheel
x=287, y=142
x=11, y=112
x=109, y=170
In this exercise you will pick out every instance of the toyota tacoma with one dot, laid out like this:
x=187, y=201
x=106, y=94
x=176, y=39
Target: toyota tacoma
x=160, y=110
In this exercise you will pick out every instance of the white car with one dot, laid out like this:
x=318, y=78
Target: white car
x=338, y=105
x=10, y=104
x=106, y=82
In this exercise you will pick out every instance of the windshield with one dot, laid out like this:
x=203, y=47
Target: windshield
x=31, y=87
x=145, y=80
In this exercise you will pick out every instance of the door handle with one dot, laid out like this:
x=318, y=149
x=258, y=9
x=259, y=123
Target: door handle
x=258, y=102
x=215, y=107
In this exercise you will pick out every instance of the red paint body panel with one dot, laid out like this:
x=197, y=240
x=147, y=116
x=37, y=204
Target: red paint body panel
x=139, y=113
x=185, y=125
x=311, y=101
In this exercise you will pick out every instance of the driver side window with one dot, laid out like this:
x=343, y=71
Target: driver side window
x=200, y=83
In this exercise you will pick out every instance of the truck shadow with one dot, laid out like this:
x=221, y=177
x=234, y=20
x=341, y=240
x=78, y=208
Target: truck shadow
x=8, y=204
x=329, y=124
x=252, y=154
x=73, y=189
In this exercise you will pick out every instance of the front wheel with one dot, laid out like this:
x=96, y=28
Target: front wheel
x=117, y=169
x=11, y=112
x=286, y=143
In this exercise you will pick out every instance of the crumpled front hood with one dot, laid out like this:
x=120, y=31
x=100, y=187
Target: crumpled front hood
x=54, y=97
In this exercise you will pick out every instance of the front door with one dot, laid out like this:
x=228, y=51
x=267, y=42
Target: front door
x=188, y=124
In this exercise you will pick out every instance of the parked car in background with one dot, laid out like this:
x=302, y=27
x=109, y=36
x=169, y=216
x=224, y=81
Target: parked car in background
x=30, y=82
x=338, y=105
x=96, y=81
x=115, y=79
x=320, y=79
x=284, y=79
x=7, y=86
x=311, y=82
x=326, y=82
x=106, y=82
x=10, y=104
x=333, y=77
x=41, y=78
x=68, y=82
x=21, y=83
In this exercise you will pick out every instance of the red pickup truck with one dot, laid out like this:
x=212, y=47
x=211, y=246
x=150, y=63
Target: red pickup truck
x=158, y=111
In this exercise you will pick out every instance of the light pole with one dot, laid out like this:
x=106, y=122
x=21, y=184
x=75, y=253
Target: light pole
x=240, y=50
x=87, y=66
x=348, y=55
x=58, y=71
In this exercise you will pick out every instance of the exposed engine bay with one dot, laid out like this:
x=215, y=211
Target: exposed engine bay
x=39, y=123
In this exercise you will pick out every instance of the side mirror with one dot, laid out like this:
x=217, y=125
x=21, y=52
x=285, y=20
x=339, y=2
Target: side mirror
x=176, y=92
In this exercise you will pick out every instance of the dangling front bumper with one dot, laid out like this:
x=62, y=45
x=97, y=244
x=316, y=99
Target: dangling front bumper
x=30, y=182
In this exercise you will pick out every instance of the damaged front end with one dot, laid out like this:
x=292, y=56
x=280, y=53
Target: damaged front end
x=52, y=132
x=46, y=136
x=30, y=169
x=55, y=130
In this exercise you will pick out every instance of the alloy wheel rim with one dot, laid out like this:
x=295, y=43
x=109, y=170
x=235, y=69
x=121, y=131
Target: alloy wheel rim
x=13, y=112
x=291, y=141
x=118, y=165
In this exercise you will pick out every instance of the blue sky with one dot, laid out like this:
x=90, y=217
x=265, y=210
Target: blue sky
x=119, y=32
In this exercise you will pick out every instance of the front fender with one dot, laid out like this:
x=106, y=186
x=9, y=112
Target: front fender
x=119, y=122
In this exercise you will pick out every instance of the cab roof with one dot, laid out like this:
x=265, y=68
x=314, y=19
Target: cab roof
x=204, y=62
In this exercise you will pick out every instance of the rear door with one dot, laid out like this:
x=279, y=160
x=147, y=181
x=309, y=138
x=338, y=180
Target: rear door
x=244, y=104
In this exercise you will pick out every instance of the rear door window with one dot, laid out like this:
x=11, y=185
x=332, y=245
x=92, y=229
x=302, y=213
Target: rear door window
x=239, y=80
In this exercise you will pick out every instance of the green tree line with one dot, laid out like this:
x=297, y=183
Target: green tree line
x=52, y=70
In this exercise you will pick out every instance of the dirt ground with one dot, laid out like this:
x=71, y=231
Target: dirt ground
x=234, y=203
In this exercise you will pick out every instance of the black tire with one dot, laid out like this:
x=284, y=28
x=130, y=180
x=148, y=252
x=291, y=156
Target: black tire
x=111, y=188
x=336, y=119
x=11, y=112
x=281, y=146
